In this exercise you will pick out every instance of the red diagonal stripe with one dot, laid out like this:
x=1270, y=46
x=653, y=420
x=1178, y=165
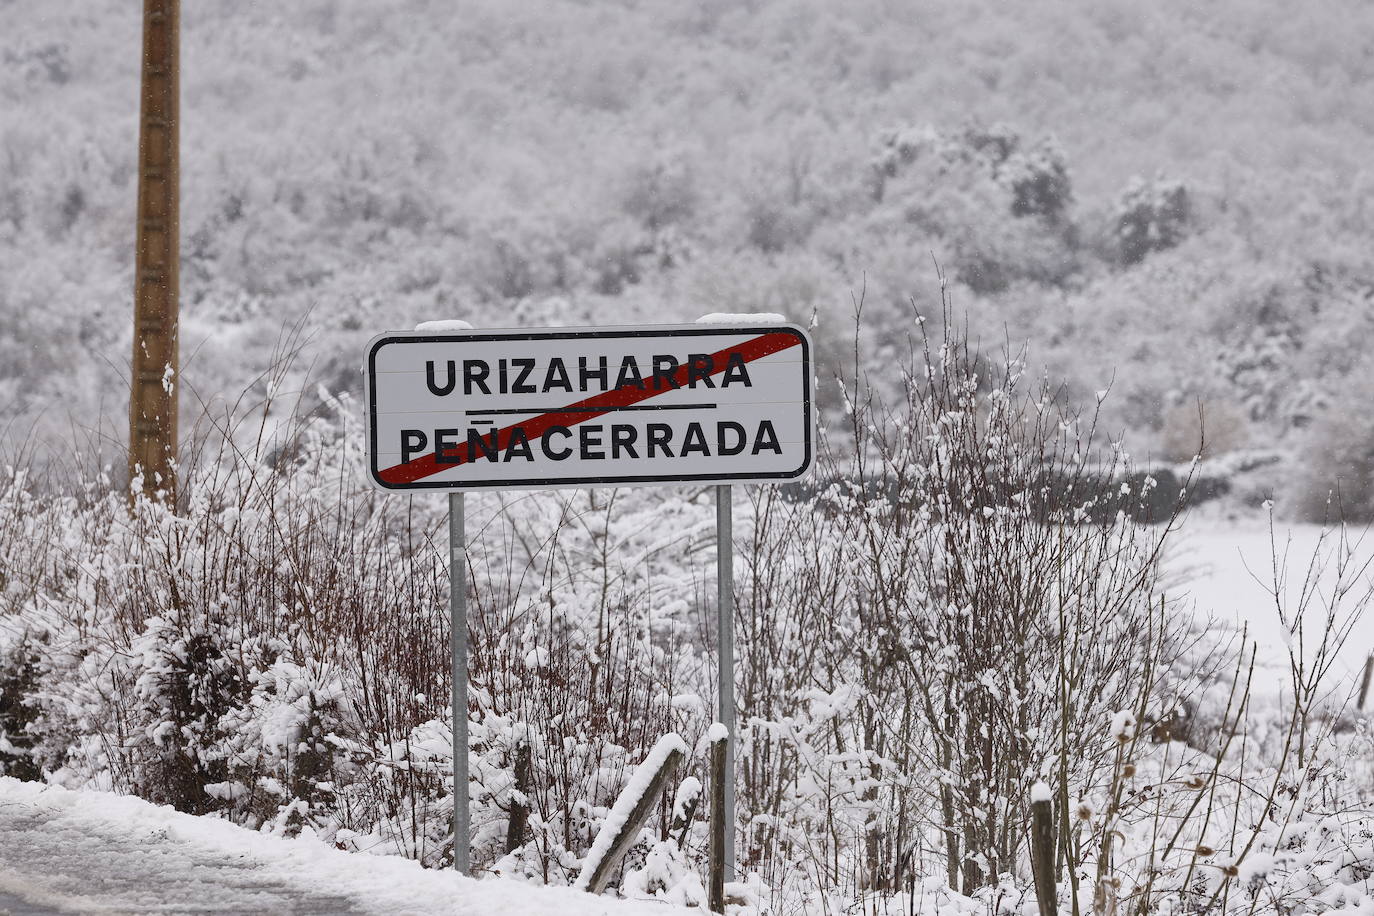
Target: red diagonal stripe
x=750, y=350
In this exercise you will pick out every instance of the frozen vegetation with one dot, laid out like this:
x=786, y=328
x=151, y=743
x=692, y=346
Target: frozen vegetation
x=977, y=602
x=967, y=607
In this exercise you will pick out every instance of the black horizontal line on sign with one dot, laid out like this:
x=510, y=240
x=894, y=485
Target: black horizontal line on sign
x=627, y=407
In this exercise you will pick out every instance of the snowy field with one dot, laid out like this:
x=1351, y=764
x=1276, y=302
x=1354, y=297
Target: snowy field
x=95, y=853
x=1228, y=570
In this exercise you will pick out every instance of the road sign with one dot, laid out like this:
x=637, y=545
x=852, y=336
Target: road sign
x=702, y=403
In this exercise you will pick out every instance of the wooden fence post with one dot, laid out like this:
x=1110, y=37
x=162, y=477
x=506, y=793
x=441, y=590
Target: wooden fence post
x=628, y=815
x=1042, y=850
x=715, y=875
x=519, y=806
x=1364, y=682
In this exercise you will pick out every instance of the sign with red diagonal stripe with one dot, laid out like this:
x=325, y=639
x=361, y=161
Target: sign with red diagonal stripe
x=576, y=407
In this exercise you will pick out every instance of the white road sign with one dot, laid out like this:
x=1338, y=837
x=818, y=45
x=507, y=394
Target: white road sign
x=576, y=407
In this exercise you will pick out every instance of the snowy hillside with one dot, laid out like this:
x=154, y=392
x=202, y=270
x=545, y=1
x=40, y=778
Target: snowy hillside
x=1170, y=195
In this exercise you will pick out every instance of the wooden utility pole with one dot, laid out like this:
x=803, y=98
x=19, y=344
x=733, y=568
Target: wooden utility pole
x=153, y=394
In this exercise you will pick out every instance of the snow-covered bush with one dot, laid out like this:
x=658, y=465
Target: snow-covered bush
x=1036, y=176
x=995, y=208
x=989, y=619
x=284, y=750
x=18, y=683
x=186, y=681
x=1268, y=811
x=1151, y=216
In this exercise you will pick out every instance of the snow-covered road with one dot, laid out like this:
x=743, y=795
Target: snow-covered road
x=11, y=905
x=56, y=860
x=69, y=853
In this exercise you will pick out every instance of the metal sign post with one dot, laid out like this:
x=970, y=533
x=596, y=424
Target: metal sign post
x=725, y=659
x=458, y=646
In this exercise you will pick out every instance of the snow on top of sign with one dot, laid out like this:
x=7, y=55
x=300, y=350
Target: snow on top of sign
x=742, y=318
x=625, y=805
x=445, y=324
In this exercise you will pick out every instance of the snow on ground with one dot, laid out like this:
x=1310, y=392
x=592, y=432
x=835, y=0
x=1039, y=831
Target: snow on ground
x=92, y=852
x=1227, y=569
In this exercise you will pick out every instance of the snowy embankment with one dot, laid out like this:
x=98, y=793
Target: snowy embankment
x=92, y=852
x=1228, y=570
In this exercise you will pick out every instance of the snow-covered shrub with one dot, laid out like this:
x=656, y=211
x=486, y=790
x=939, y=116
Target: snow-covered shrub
x=998, y=614
x=1151, y=216
x=283, y=748
x=1269, y=810
x=1039, y=182
x=402, y=801
x=665, y=874
x=186, y=681
x=19, y=682
x=994, y=208
x=1260, y=364
x=580, y=662
x=1036, y=176
x=25, y=555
